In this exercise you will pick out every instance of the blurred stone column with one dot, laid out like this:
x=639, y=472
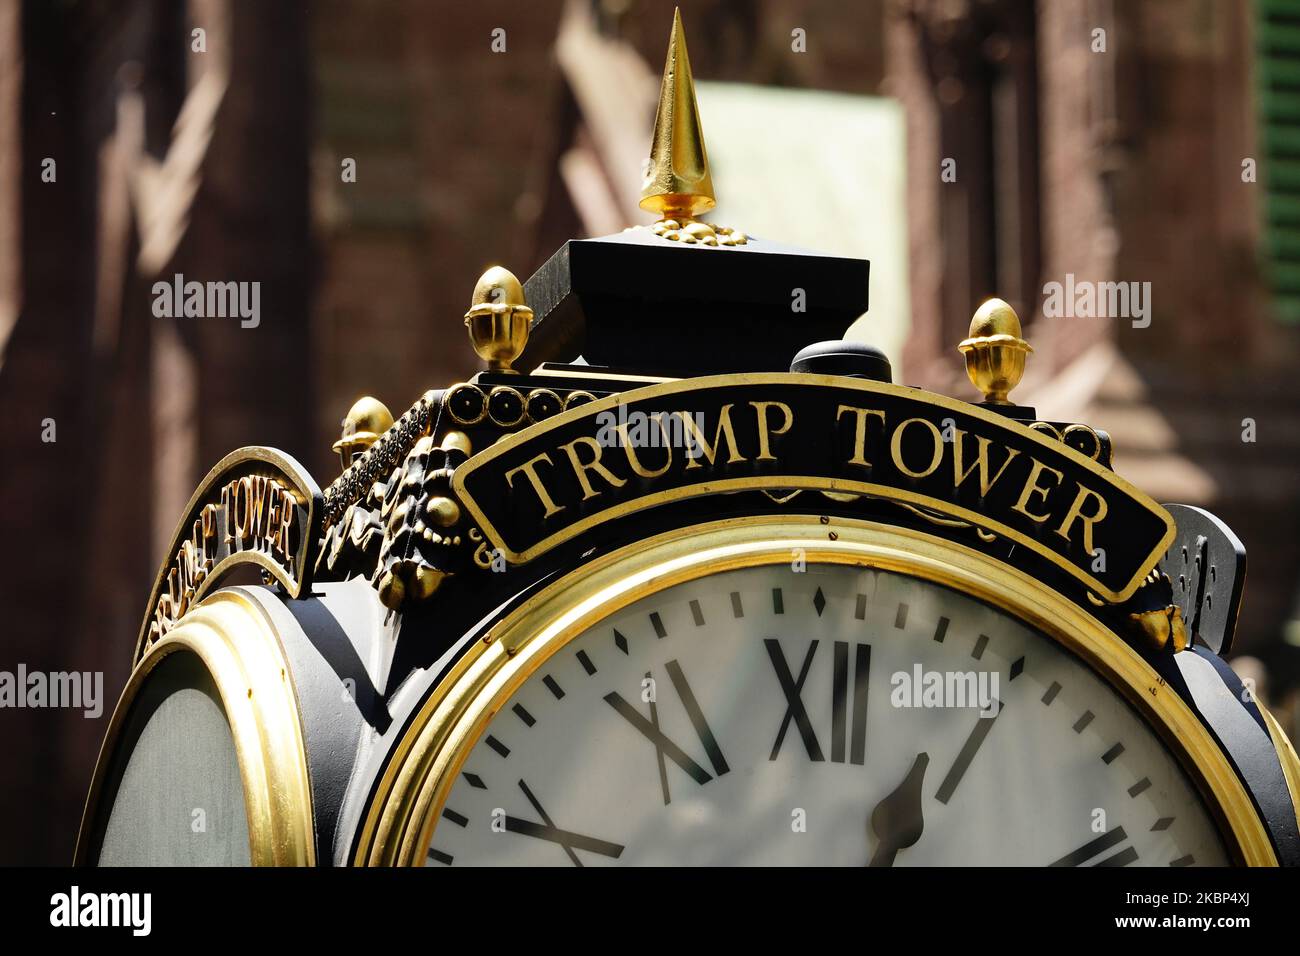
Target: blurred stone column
x=251, y=224
x=211, y=186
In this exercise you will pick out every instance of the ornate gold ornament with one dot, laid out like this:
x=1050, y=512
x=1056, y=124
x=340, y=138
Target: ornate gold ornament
x=1162, y=628
x=366, y=420
x=380, y=458
x=419, y=525
x=408, y=533
x=1157, y=622
x=995, y=352
x=498, y=319
x=691, y=231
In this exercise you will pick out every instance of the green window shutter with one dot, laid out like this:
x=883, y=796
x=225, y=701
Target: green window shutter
x=1278, y=76
x=1278, y=73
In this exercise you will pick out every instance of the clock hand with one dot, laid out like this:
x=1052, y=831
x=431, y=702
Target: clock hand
x=547, y=830
x=897, y=819
x=968, y=751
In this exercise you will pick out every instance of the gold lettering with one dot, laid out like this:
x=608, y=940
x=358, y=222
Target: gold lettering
x=274, y=506
x=243, y=508
x=196, y=543
x=1032, y=487
x=257, y=519
x=203, y=564
x=760, y=412
x=175, y=591
x=981, y=462
x=860, y=430
x=580, y=470
x=163, y=615
x=632, y=458
x=209, y=518
x=271, y=522
x=1076, y=514
x=529, y=468
x=896, y=448
x=228, y=505
x=189, y=567
x=270, y=514
x=284, y=527
x=697, y=445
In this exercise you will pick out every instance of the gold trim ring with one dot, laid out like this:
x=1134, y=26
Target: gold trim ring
x=401, y=817
x=237, y=644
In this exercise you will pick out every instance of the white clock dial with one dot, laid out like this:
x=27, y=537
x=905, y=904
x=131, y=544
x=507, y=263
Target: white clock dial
x=829, y=715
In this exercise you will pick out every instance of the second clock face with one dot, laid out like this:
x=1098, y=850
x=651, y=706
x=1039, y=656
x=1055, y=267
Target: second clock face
x=820, y=714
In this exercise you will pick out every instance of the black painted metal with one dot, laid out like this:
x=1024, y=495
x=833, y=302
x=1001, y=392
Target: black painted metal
x=640, y=302
x=1229, y=711
x=837, y=357
x=1207, y=565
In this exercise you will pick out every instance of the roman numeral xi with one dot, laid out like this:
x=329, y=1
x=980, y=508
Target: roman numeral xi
x=664, y=746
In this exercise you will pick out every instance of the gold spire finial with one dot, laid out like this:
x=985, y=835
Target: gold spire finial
x=995, y=352
x=677, y=184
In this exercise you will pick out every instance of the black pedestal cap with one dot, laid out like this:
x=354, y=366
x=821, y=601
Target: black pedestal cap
x=636, y=301
x=854, y=359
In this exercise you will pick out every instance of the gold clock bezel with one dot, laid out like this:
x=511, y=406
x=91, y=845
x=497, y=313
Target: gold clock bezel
x=404, y=811
x=238, y=646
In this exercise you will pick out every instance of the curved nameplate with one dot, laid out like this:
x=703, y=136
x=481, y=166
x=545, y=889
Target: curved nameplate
x=555, y=480
x=258, y=507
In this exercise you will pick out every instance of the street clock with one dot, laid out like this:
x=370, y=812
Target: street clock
x=682, y=578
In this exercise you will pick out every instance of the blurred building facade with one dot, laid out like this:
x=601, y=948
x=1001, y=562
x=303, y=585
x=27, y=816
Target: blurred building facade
x=1111, y=156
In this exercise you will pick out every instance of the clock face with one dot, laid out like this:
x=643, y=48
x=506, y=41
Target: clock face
x=825, y=714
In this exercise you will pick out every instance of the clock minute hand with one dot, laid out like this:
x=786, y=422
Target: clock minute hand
x=897, y=819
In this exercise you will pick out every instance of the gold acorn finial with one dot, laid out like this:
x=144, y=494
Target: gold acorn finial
x=677, y=184
x=366, y=420
x=995, y=352
x=498, y=319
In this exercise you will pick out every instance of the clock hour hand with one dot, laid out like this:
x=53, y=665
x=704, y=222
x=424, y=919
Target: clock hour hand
x=897, y=819
x=547, y=830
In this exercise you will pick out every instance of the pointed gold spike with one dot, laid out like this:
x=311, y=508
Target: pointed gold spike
x=677, y=184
